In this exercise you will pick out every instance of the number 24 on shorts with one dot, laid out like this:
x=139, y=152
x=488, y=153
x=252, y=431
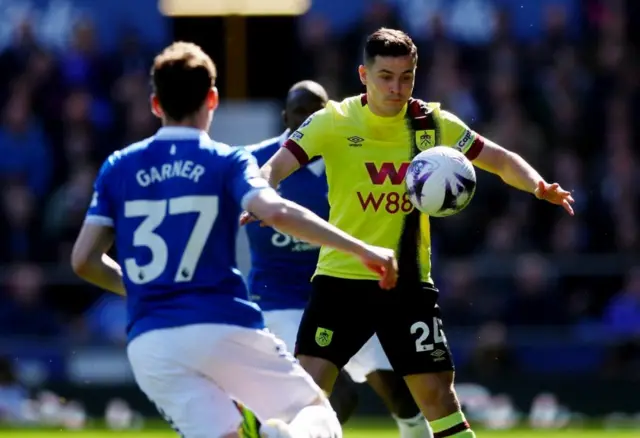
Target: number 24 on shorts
x=422, y=329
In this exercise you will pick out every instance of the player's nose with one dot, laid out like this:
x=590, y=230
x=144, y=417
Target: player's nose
x=396, y=87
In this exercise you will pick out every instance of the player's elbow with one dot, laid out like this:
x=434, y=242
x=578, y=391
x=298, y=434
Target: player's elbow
x=79, y=262
x=271, y=209
x=277, y=214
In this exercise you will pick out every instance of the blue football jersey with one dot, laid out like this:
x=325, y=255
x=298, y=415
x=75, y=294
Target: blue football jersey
x=281, y=265
x=174, y=201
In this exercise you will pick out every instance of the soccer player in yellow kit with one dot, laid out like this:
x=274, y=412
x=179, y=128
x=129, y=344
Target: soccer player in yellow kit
x=367, y=143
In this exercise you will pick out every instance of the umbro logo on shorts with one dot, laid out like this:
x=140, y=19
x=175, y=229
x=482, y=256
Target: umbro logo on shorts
x=355, y=141
x=437, y=355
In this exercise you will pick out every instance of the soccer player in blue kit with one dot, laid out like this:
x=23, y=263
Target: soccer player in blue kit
x=281, y=269
x=171, y=205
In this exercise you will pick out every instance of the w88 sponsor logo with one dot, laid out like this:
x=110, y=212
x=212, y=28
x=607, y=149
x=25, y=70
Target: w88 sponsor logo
x=392, y=201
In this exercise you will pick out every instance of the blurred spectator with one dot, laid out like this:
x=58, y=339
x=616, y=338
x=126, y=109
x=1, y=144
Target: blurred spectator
x=66, y=209
x=535, y=300
x=491, y=355
x=14, y=59
x=19, y=226
x=465, y=300
x=82, y=64
x=24, y=147
x=622, y=315
x=23, y=312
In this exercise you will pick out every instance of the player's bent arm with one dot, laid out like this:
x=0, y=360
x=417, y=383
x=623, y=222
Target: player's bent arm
x=90, y=261
x=297, y=221
x=511, y=167
x=282, y=164
x=300, y=222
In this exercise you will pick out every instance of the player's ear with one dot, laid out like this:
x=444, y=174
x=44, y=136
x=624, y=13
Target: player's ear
x=156, y=109
x=213, y=98
x=362, y=72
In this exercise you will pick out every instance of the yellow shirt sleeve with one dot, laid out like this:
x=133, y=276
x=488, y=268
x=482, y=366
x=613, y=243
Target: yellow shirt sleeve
x=310, y=139
x=456, y=134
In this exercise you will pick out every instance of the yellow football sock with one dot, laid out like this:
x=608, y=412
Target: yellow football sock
x=452, y=426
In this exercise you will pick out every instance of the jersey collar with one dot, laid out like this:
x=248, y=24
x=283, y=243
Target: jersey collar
x=180, y=133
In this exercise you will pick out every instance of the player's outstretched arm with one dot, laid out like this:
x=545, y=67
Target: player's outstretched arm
x=515, y=171
x=282, y=164
x=90, y=261
x=297, y=221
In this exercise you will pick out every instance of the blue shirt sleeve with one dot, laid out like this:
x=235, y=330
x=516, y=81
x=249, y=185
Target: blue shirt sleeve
x=101, y=210
x=245, y=178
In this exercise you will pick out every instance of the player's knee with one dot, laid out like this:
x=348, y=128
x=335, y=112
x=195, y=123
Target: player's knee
x=316, y=422
x=344, y=397
x=443, y=394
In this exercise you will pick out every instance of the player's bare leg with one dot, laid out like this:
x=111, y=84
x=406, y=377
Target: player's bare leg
x=437, y=399
x=393, y=391
x=323, y=372
x=344, y=397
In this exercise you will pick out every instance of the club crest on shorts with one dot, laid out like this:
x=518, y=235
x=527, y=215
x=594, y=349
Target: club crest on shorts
x=323, y=336
x=425, y=139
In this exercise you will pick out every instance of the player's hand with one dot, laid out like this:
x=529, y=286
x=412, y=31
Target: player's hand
x=383, y=262
x=556, y=195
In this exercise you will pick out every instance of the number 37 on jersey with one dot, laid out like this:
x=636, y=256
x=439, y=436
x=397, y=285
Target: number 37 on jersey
x=154, y=213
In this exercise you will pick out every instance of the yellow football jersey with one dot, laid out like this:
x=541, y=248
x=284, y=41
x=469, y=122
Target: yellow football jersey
x=366, y=159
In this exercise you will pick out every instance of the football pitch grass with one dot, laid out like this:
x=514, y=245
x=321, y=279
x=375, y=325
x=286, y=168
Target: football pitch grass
x=358, y=429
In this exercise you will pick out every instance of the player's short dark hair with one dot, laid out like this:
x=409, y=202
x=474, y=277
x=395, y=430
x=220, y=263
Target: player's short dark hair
x=181, y=77
x=388, y=42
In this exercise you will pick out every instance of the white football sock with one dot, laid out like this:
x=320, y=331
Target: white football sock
x=416, y=427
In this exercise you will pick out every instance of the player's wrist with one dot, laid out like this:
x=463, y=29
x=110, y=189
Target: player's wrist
x=363, y=250
x=538, y=182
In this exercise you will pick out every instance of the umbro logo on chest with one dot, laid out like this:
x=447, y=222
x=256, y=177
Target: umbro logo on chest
x=355, y=141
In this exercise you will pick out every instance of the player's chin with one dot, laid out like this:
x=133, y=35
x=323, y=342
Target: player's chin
x=395, y=104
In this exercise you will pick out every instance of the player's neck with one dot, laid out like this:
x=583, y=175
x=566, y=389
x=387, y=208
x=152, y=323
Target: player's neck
x=184, y=124
x=195, y=121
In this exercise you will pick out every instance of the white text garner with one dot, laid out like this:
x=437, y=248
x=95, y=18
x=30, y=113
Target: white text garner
x=178, y=169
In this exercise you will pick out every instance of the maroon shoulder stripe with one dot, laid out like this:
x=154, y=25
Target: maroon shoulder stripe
x=297, y=151
x=476, y=148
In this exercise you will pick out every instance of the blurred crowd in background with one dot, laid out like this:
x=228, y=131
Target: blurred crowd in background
x=565, y=100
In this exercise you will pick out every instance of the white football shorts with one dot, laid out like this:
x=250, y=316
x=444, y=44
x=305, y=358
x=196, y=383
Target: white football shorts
x=193, y=372
x=371, y=357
